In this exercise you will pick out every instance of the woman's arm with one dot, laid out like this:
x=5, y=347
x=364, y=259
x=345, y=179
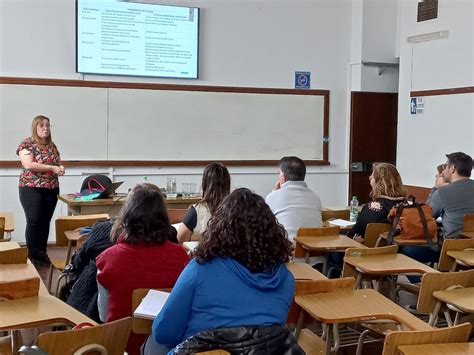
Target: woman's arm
x=27, y=160
x=102, y=301
x=171, y=323
x=184, y=234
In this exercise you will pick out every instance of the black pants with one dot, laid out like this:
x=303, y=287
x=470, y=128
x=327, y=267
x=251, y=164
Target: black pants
x=38, y=204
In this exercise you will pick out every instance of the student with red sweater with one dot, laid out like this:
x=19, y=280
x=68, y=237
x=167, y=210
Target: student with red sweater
x=141, y=258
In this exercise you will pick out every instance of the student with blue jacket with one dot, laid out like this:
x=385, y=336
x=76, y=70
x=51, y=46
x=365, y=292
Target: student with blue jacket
x=238, y=276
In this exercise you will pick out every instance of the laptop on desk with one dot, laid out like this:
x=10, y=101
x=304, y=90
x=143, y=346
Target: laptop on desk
x=109, y=190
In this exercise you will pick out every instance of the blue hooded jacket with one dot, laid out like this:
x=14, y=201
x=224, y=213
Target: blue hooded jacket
x=223, y=293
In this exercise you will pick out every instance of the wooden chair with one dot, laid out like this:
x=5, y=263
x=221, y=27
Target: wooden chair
x=312, y=232
x=2, y=230
x=350, y=271
x=70, y=223
x=14, y=256
x=109, y=338
x=335, y=214
x=139, y=325
x=307, y=339
x=447, y=263
x=468, y=224
x=372, y=233
x=19, y=289
x=456, y=334
x=432, y=282
x=176, y=215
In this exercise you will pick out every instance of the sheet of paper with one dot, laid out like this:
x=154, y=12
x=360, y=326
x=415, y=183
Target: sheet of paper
x=151, y=304
x=190, y=246
x=341, y=223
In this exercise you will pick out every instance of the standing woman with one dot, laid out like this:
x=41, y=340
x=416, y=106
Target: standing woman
x=215, y=187
x=39, y=186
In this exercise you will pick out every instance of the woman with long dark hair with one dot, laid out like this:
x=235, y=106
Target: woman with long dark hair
x=39, y=187
x=142, y=256
x=215, y=187
x=238, y=276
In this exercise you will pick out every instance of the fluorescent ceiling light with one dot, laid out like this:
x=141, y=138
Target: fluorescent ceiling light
x=428, y=36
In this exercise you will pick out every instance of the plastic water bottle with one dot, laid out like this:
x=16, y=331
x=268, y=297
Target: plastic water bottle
x=354, y=209
x=145, y=180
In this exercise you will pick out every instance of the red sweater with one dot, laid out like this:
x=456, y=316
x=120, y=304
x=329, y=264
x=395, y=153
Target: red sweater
x=124, y=268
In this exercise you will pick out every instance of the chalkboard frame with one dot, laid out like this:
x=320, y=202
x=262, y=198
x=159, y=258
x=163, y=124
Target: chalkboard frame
x=174, y=87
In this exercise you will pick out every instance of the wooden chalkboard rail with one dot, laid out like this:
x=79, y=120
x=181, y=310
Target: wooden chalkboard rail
x=173, y=87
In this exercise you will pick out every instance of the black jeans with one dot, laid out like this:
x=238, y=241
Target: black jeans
x=38, y=204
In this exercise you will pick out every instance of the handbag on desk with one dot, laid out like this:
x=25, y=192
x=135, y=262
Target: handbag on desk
x=412, y=220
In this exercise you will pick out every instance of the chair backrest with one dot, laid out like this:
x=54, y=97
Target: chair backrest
x=305, y=287
x=456, y=334
x=468, y=225
x=335, y=214
x=313, y=232
x=2, y=228
x=373, y=231
x=445, y=261
x=176, y=215
x=14, y=256
x=111, y=337
x=139, y=325
x=349, y=271
x=19, y=288
x=81, y=240
x=69, y=223
x=436, y=281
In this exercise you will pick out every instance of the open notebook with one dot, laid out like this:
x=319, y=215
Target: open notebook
x=151, y=304
x=341, y=223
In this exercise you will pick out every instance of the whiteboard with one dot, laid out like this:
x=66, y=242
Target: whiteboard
x=170, y=124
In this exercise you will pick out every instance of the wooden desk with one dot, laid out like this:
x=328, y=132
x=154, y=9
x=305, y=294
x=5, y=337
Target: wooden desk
x=113, y=205
x=8, y=245
x=460, y=298
x=387, y=264
x=468, y=234
x=9, y=223
x=438, y=349
x=407, y=242
x=15, y=272
x=36, y=311
x=463, y=257
x=303, y=271
x=355, y=306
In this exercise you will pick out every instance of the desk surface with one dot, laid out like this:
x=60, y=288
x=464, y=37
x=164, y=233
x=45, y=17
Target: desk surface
x=461, y=298
x=388, y=264
x=438, y=349
x=356, y=306
x=464, y=256
x=35, y=311
x=328, y=243
x=15, y=272
x=468, y=234
x=120, y=200
x=8, y=245
x=9, y=221
x=303, y=271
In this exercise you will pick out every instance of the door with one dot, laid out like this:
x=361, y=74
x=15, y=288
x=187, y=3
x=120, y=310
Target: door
x=373, y=138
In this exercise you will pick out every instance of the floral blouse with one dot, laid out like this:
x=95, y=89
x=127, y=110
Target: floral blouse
x=48, y=155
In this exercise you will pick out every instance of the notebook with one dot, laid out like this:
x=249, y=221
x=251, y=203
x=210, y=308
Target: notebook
x=151, y=304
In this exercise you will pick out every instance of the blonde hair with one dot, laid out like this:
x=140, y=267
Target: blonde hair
x=34, y=133
x=387, y=181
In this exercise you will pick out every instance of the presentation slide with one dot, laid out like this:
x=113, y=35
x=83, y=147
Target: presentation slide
x=130, y=38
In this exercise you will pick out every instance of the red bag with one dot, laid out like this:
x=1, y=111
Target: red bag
x=412, y=220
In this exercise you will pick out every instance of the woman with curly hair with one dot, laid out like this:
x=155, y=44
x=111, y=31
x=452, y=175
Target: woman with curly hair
x=387, y=191
x=215, y=187
x=238, y=276
x=142, y=257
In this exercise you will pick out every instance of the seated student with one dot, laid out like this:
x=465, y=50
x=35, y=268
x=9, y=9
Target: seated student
x=215, y=187
x=451, y=198
x=387, y=191
x=141, y=258
x=292, y=202
x=238, y=276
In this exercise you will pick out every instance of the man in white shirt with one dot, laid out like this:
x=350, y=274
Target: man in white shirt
x=293, y=203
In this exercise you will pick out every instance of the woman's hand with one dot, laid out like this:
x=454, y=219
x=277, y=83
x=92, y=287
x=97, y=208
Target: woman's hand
x=63, y=170
x=358, y=239
x=56, y=170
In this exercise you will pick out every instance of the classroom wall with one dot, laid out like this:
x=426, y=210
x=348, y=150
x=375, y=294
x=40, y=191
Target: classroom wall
x=447, y=122
x=261, y=44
